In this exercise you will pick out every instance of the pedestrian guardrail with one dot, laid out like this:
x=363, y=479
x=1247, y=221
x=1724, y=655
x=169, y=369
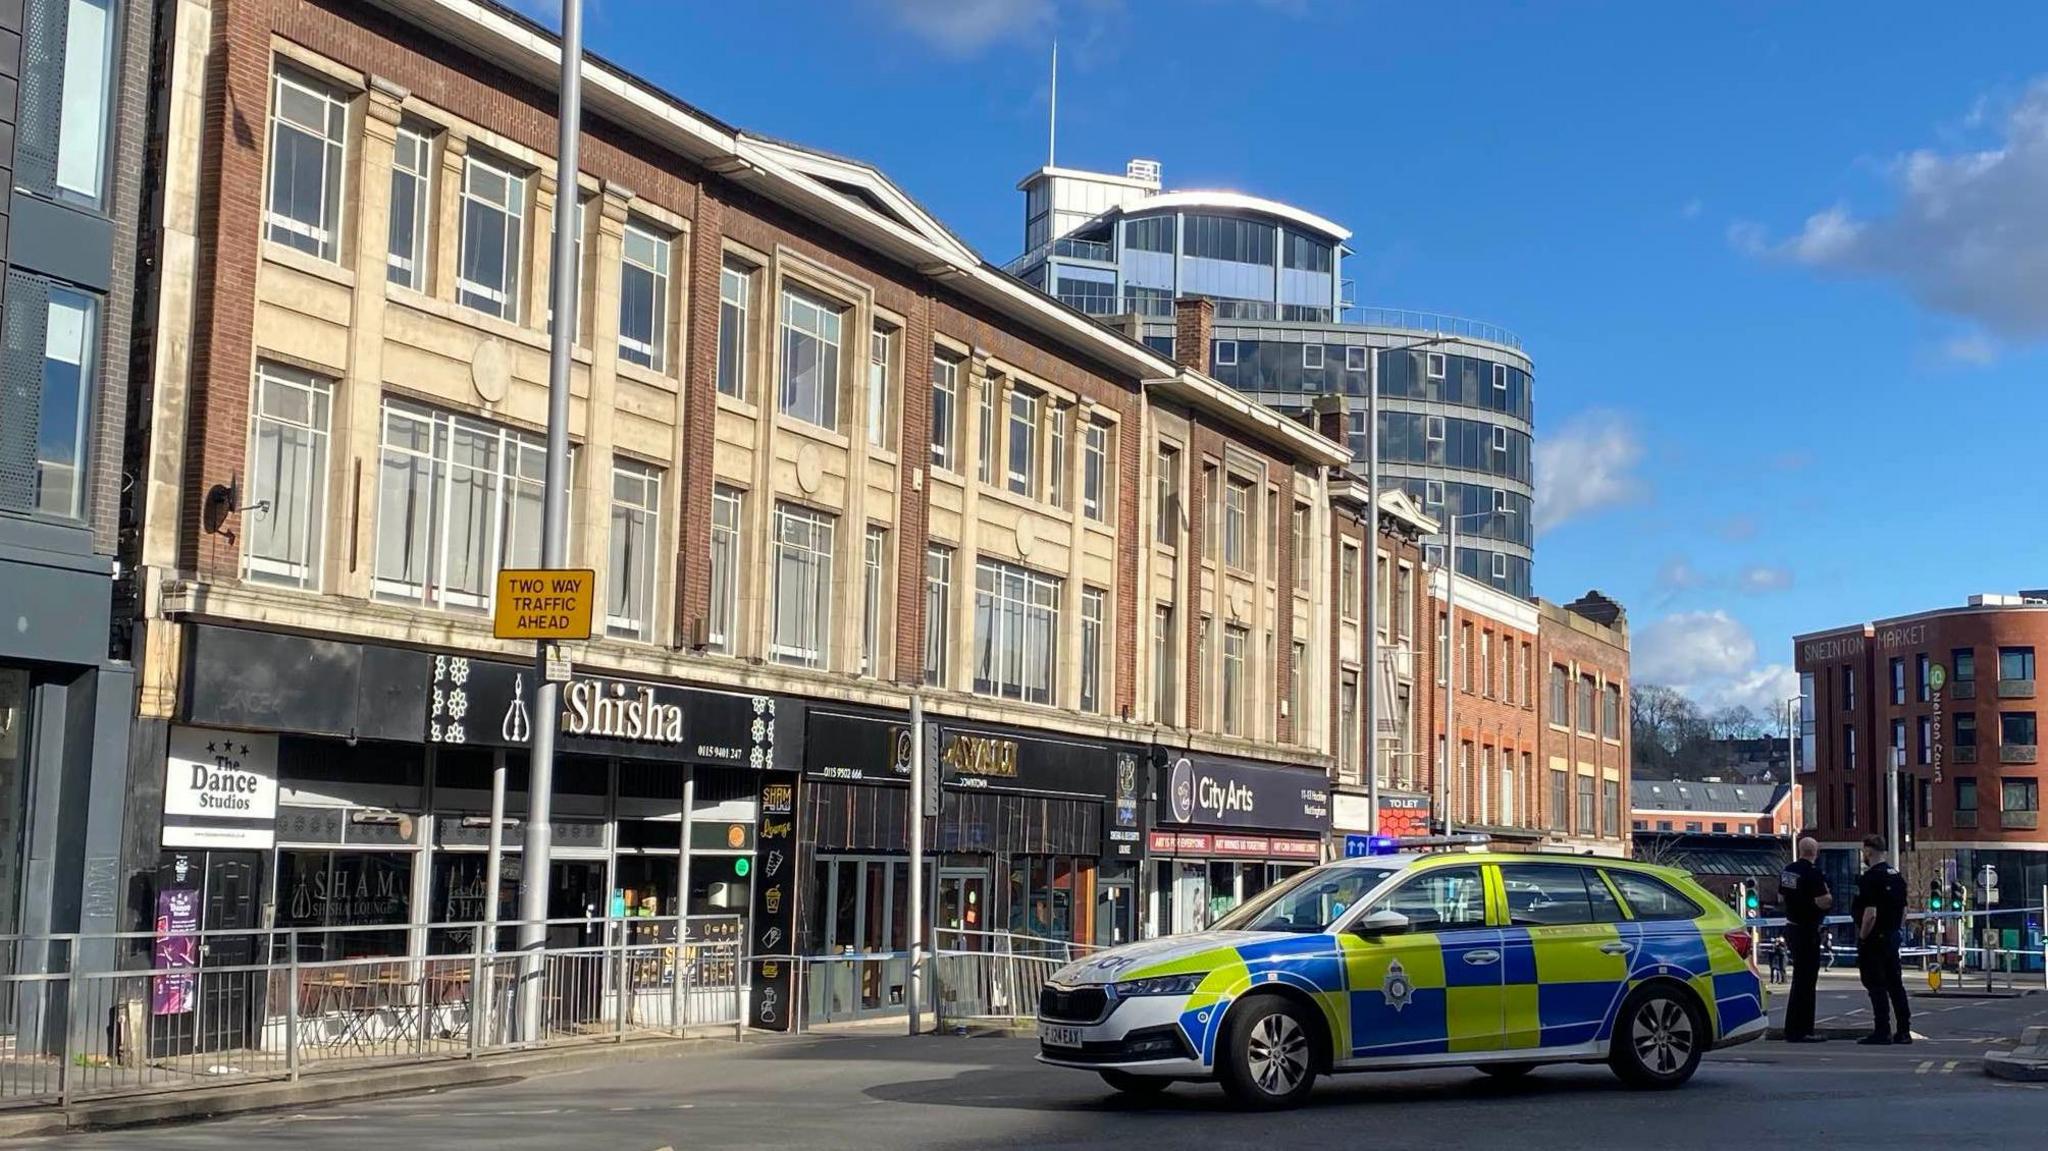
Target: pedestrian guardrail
x=229, y=1006
x=2005, y=945
x=994, y=974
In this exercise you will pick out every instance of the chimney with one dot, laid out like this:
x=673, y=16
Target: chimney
x=1599, y=608
x=1194, y=319
x=1331, y=419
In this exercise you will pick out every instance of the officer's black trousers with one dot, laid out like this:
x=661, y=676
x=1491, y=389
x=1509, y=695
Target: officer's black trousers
x=1878, y=961
x=1805, y=944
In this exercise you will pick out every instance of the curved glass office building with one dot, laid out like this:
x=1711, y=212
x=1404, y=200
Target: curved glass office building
x=1456, y=397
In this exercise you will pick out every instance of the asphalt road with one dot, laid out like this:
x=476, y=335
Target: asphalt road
x=874, y=1090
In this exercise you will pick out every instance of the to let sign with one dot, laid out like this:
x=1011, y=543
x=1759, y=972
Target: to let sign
x=535, y=603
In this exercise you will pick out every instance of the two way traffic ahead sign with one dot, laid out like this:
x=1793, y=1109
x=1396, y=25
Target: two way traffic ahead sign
x=534, y=603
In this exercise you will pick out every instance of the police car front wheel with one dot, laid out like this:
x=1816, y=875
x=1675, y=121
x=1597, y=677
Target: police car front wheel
x=1660, y=1039
x=1269, y=1059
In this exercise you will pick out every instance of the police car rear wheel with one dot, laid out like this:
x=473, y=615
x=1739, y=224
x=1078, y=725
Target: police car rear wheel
x=1660, y=1040
x=1270, y=1059
x=1126, y=1083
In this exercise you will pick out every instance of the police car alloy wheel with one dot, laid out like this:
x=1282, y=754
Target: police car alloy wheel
x=1128, y=1084
x=1659, y=1039
x=1270, y=1060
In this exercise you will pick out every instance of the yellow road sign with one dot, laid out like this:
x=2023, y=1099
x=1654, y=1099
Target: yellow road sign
x=534, y=603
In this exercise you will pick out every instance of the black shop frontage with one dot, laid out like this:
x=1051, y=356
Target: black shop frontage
x=345, y=790
x=1036, y=842
x=1224, y=830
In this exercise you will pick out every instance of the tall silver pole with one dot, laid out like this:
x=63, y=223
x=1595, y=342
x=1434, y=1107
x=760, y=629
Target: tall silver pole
x=494, y=858
x=494, y=863
x=554, y=540
x=1372, y=590
x=1792, y=762
x=1451, y=663
x=1052, y=118
x=1893, y=840
x=917, y=926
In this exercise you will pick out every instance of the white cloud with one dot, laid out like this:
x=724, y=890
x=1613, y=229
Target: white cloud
x=1967, y=235
x=1974, y=349
x=966, y=27
x=1692, y=646
x=1586, y=466
x=1711, y=658
x=1678, y=575
x=1762, y=579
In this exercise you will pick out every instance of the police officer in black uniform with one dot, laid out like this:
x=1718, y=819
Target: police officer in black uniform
x=1880, y=912
x=1804, y=891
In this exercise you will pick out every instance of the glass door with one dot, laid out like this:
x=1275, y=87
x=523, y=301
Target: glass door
x=1116, y=904
x=962, y=920
x=861, y=965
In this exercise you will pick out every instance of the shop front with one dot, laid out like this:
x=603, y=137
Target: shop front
x=1226, y=829
x=1035, y=844
x=344, y=791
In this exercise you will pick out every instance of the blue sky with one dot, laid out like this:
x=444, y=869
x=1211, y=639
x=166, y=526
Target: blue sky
x=1779, y=266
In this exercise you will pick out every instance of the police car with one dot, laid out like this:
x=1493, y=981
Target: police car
x=1501, y=962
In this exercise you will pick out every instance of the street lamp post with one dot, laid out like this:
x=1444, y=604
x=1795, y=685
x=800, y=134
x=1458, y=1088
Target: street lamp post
x=1792, y=756
x=554, y=543
x=1450, y=649
x=1372, y=579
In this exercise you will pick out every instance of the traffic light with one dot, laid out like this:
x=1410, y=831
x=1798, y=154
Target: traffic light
x=1750, y=903
x=1934, y=895
x=1955, y=897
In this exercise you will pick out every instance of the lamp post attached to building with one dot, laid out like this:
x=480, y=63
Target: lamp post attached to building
x=1450, y=648
x=1372, y=579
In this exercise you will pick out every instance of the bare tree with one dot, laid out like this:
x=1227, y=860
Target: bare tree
x=1737, y=721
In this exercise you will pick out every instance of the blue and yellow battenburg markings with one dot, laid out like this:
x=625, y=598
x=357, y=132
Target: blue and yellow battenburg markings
x=1549, y=987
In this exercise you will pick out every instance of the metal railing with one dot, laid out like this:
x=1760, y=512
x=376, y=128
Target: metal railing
x=276, y=1004
x=993, y=974
x=2001, y=945
x=1431, y=323
x=1097, y=250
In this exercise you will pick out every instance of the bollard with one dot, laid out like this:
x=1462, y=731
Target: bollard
x=291, y=1009
x=739, y=999
x=479, y=994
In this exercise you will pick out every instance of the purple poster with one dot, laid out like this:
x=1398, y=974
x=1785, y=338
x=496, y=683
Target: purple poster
x=177, y=949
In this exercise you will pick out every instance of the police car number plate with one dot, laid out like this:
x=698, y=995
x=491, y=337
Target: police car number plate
x=1053, y=1036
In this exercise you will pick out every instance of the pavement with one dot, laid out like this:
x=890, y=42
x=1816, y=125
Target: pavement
x=863, y=1091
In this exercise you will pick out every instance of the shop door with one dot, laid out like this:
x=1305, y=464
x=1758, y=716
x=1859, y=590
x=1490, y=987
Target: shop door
x=962, y=922
x=1116, y=905
x=862, y=967
x=575, y=961
x=225, y=1005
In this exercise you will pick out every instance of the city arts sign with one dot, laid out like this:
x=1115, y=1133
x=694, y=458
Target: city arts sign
x=610, y=709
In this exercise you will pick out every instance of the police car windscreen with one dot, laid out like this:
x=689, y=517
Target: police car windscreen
x=1307, y=902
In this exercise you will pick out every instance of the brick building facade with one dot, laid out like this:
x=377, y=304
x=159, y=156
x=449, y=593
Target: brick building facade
x=824, y=459
x=1949, y=694
x=1582, y=650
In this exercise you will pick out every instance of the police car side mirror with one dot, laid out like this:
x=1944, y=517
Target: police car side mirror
x=1382, y=922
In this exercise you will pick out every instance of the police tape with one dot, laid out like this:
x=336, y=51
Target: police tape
x=1911, y=916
